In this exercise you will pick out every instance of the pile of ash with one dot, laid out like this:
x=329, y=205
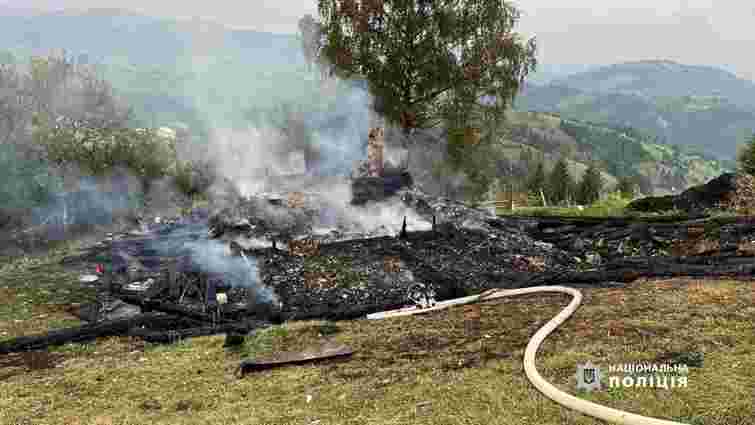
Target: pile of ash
x=375, y=189
x=452, y=248
x=332, y=260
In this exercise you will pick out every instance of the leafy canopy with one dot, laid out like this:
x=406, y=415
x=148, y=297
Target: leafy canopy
x=419, y=56
x=590, y=186
x=561, y=183
x=626, y=186
x=537, y=180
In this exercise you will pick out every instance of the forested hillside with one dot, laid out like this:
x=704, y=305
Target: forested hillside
x=677, y=104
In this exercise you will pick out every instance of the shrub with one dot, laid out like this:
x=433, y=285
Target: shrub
x=613, y=205
x=472, y=158
x=652, y=204
x=560, y=182
x=98, y=151
x=590, y=187
x=626, y=186
x=194, y=177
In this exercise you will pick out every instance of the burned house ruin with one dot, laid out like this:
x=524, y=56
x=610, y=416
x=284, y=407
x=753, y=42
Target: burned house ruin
x=341, y=247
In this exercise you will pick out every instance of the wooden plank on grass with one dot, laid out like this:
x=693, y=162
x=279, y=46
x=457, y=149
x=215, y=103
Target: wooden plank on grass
x=295, y=358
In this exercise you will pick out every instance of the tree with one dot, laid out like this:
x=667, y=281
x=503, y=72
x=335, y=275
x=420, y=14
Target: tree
x=560, y=182
x=747, y=157
x=7, y=58
x=626, y=186
x=420, y=57
x=15, y=105
x=590, y=186
x=568, y=151
x=536, y=179
x=526, y=156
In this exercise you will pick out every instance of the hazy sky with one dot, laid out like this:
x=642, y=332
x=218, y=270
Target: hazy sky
x=580, y=32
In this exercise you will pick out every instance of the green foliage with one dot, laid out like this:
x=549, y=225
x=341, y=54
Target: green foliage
x=98, y=151
x=526, y=156
x=632, y=99
x=193, y=178
x=747, y=157
x=619, y=149
x=627, y=186
x=475, y=162
x=328, y=328
x=262, y=341
x=653, y=204
x=480, y=172
x=458, y=147
x=612, y=205
x=406, y=51
x=608, y=145
x=535, y=183
x=77, y=120
x=590, y=187
x=7, y=57
x=560, y=183
x=24, y=183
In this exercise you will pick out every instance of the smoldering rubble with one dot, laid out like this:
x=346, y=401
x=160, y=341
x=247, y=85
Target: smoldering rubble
x=273, y=257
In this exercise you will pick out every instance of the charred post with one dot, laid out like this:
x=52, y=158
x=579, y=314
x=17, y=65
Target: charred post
x=375, y=147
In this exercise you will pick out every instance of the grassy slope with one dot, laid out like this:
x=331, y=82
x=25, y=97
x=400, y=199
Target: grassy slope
x=718, y=126
x=398, y=363
x=640, y=154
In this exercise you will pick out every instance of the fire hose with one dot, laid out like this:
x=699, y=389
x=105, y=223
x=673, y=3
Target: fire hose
x=567, y=400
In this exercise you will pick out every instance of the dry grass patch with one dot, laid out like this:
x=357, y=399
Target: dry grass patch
x=411, y=370
x=698, y=292
x=665, y=285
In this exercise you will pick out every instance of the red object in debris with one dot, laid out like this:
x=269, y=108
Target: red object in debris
x=100, y=269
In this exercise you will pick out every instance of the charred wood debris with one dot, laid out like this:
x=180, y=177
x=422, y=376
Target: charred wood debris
x=153, y=288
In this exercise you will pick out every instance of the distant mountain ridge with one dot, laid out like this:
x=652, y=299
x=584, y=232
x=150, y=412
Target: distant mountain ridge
x=681, y=104
x=195, y=70
x=103, y=33
x=663, y=78
x=167, y=67
x=547, y=73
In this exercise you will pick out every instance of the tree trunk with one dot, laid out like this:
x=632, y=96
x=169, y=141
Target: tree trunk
x=375, y=152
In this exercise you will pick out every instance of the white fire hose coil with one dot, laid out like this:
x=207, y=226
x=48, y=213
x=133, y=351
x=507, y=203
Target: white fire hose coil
x=550, y=391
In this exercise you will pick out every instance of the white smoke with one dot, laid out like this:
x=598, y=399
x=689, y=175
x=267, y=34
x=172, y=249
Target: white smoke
x=332, y=119
x=337, y=136
x=374, y=218
x=211, y=256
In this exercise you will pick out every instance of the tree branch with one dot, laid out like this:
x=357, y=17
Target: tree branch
x=430, y=95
